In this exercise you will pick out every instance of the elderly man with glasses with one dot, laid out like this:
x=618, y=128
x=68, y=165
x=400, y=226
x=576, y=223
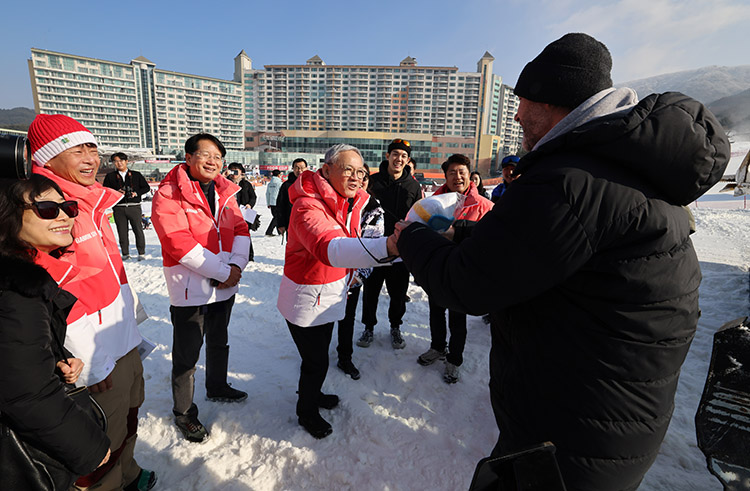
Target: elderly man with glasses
x=323, y=249
x=205, y=243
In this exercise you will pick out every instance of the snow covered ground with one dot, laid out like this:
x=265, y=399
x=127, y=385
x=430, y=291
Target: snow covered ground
x=399, y=427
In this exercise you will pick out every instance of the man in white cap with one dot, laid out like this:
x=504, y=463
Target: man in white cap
x=106, y=338
x=599, y=305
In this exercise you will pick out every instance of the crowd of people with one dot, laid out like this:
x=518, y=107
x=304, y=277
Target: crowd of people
x=590, y=321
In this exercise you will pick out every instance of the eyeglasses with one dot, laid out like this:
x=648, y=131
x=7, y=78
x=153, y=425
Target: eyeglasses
x=358, y=173
x=399, y=140
x=49, y=210
x=207, y=156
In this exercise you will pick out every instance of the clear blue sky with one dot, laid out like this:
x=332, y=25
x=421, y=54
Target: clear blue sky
x=646, y=37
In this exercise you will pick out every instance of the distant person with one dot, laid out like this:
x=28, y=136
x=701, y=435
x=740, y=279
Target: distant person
x=474, y=207
x=508, y=166
x=321, y=253
x=35, y=228
x=245, y=197
x=272, y=194
x=599, y=303
x=283, y=205
x=396, y=190
x=104, y=334
x=476, y=178
x=371, y=227
x=205, y=243
x=132, y=185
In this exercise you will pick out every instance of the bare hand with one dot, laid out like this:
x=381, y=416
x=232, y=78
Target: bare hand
x=393, y=239
x=450, y=233
x=281, y=230
x=102, y=386
x=71, y=369
x=106, y=458
x=235, y=275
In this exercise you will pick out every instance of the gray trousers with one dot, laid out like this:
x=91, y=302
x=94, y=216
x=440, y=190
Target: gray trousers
x=190, y=324
x=129, y=214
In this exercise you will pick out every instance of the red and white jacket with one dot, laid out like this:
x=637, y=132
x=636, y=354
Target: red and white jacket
x=475, y=206
x=102, y=326
x=196, y=246
x=322, y=251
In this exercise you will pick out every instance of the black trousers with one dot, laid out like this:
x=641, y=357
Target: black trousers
x=346, y=326
x=272, y=225
x=190, y=324
x=129, y=214
x=457, y=326
x=396, y=278
x=312, y=343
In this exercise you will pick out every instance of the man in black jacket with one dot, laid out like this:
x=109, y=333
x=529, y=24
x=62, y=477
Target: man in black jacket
x=245, y=197
x=600, y=303
x=396, y=190
x=283, y=206
x=132, y=185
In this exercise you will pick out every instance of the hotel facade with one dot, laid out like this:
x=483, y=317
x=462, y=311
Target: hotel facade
x=295, y=108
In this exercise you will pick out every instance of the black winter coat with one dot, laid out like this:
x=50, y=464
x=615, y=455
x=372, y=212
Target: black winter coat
x=283, y=205
x=395, y=195
x=32, y=399
x=246, y=195
x=596, y=309
x=134, y=181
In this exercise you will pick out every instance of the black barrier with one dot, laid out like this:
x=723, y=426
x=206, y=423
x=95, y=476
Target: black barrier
x=722, y=423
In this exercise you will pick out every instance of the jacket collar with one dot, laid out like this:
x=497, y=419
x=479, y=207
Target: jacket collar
x=95, y=196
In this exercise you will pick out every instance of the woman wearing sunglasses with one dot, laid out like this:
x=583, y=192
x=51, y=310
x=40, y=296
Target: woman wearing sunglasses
x=35, y=229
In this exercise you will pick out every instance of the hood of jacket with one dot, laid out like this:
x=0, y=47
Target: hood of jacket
x=670, y=140
x=191, y=190
x=313, y=185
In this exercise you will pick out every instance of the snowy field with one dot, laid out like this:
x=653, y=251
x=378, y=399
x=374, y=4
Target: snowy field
x=399, y=427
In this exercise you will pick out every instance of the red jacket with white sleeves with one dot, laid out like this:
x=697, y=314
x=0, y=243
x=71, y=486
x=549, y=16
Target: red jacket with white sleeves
x=105, y=329
x=196, y=245
x=322, y=251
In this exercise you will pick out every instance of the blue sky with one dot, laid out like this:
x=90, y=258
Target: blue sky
x=646, y=37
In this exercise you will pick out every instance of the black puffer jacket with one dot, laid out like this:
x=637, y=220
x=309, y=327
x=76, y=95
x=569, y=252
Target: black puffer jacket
x=597, y=299
x=32, y=399
x=395, y=195
x=283, y=205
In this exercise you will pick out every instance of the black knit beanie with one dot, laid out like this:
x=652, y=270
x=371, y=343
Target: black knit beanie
x=399, y=144
x=567, y=72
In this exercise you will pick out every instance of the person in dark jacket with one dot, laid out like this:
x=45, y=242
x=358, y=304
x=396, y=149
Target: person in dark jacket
x=396, y=190
x=35, y=225
x=600, y=302
x=283, y=205
x=508, y=166
x=132, y=185
x=245, y=197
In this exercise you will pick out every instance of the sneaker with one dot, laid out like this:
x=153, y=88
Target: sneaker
x=226, y=394
x=191, y=429
x=145, y=481
x=396, y=340
x=365, y=339
x=125, y=257
x=431, y=356
x=450, y=376
x=348, y=368
x=141, y=257
x=328, y=401
x=316, y=426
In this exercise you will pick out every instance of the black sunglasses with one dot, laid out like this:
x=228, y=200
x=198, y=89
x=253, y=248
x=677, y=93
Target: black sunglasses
x=49, y=210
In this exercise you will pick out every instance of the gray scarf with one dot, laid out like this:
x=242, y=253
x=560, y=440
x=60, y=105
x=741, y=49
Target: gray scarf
x=604, y=103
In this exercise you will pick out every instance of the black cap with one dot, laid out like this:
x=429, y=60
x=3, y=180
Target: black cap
x=567, y=72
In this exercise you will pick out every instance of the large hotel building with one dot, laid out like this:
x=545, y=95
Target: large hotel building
x=294, y=108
